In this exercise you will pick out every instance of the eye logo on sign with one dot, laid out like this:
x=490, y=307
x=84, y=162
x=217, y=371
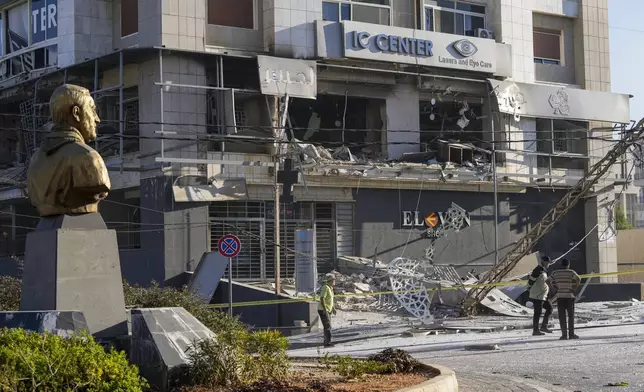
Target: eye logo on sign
x=465, y=48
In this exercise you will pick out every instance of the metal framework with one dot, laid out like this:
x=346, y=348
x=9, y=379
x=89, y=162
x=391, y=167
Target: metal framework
x=583, y=189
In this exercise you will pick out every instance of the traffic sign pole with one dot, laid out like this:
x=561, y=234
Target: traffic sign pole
x=230, y=286
x=229, y=246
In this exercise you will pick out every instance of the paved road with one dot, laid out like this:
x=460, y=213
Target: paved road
x=602, y=356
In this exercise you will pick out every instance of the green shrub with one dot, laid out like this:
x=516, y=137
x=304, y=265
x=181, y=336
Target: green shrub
x=384, y=362
x=10, y=289
x=269, y=351
x=162, y=297
x=238, y=358
x=43, y=362
x=352, y=368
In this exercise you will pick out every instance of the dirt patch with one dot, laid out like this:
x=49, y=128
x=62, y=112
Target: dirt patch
x=314, y=378
x=311, y=377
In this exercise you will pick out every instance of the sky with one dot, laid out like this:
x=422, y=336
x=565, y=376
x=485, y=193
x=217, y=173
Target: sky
x=626, y=29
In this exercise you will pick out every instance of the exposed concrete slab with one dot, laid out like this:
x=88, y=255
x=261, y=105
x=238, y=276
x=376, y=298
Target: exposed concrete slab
x=162, y=339
x=58, y=323
x=76, y=270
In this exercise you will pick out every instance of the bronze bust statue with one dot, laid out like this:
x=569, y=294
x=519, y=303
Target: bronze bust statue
x=66, y=175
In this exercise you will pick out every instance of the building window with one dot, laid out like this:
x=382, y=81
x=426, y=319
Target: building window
x=129, y=17
x=453, y=17
x=367, y=11
x=561, y=136
x=232, y=13
x=547, y=47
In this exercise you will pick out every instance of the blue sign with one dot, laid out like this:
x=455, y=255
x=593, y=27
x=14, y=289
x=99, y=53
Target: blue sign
x=229, y=245
x=393, y=44
x=44, y=20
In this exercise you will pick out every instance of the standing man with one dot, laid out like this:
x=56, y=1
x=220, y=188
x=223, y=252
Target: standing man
x=326, y=308
x=538, y=282
x=566, y=282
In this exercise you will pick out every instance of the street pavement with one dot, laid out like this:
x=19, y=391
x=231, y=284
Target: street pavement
x=603, y=355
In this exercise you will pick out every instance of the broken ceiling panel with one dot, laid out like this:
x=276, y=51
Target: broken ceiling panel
x=216, y=190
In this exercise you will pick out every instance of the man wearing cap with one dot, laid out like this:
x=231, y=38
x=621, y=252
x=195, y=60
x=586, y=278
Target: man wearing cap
x=326, y=308
x=566, y=282
x=538, y=282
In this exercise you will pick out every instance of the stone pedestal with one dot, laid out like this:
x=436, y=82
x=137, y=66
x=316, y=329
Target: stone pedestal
x=72, y=264
x=58, y=323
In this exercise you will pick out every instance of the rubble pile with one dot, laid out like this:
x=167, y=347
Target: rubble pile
x=349, y=289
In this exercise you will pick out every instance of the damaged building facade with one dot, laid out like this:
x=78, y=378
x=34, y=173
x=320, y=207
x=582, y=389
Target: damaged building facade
x=394, y=111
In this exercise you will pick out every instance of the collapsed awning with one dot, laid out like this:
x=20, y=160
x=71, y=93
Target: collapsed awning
x=197, y=189
x=543, y=101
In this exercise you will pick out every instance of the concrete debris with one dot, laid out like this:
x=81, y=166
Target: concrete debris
x=361, y=265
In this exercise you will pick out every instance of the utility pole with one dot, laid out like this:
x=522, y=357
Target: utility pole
x=494, y=179
x=276, y=211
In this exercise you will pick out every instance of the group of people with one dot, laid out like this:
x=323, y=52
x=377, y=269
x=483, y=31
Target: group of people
x=564, y=283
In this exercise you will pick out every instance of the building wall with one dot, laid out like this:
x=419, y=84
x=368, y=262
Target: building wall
x=84, y=30
x=380, y=228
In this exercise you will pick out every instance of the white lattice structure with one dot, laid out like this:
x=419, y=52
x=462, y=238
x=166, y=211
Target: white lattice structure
x=409, y=277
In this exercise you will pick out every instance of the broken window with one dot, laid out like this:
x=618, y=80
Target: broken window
x=108, y=141
x=350, y=127
x=452, y=131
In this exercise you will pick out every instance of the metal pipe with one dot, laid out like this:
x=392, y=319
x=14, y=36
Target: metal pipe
x=179, y=85
x=402, y=72
x=161, y=99
x=33, y=114
x=121, y=116
x=494, y=179
x=220, y=76
x=109, y=88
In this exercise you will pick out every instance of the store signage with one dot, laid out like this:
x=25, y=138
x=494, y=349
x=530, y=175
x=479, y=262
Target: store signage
x=426, y=48
x=292, y=77
x=393, y=44
x=542, y=101
x=44, y=20
x=414, y=219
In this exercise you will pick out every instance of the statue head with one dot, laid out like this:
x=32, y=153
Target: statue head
x=74, y=106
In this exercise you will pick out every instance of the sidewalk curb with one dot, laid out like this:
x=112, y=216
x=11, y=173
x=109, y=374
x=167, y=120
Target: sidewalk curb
x=445, y=382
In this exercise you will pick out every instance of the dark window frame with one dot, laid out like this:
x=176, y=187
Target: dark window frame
x=237, y=16
x=129, y=17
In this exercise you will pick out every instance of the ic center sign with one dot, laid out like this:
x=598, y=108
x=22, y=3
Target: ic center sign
x=427, y=48
x=44, y=20
x=394, y=44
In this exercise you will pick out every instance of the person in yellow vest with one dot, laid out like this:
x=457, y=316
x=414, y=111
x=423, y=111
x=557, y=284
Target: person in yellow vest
x=326, y=308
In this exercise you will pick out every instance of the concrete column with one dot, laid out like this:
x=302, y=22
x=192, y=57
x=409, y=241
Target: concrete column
x=84, y=30
x=512, y=24
x=403, y=121
x=183, y=24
